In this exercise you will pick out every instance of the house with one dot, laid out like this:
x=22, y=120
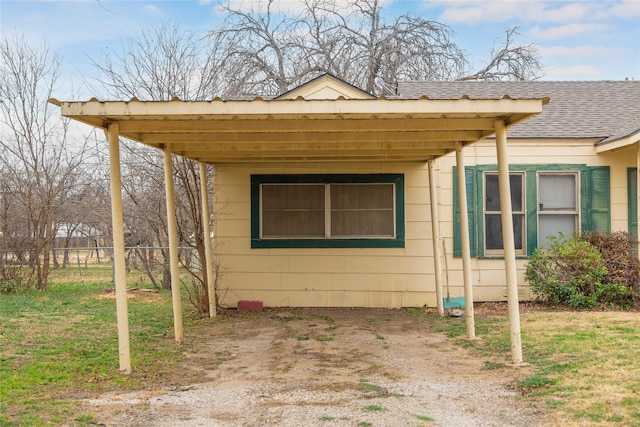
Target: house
x=328, y=196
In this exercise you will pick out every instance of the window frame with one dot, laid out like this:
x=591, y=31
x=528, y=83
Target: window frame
x=396, y=241
x=551, y=212
x=522, y=212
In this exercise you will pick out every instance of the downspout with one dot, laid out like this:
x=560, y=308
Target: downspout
x=172, y=231
x=638, y=197
x=435, y=227
x=206, y=229
x=465, y=242
x=119, y=269
x=508, y=242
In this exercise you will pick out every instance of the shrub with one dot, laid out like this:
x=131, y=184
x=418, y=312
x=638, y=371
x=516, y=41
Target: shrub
x=570, y=271
x=623, y=266
x=586, y=270
x=15, y=279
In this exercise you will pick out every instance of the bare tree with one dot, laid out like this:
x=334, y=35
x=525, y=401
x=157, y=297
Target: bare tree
x=509, y=62
x=38, y=168
x=160, y=64
x=270, y=51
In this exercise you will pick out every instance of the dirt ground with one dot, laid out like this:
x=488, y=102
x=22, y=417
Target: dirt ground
x=333, y=367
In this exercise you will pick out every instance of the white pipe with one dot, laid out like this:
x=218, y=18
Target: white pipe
x=435, y=227
x=119, y=268
x=508, y=242
x=206, y=229
x=465, y=243
x=172, y=231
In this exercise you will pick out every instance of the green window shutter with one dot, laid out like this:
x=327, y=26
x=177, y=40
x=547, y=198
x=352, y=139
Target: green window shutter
x=471, y=208
x=632, y=188
x=598, y=213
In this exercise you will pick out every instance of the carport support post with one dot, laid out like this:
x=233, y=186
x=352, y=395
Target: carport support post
x=508, y=242
x=464, y=241
x=206, y=230
x=119, y=271
x=435, y=227
x=172, y=229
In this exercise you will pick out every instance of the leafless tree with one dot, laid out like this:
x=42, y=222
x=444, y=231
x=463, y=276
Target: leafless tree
x=160, y=64
x=38, y=168
x=270, y=51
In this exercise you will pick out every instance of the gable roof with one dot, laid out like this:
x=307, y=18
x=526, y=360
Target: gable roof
x=606, y=111
x=326, y=86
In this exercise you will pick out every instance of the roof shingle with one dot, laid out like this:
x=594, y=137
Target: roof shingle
x=602, y=110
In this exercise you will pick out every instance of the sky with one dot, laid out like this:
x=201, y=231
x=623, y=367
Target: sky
x=577, y=40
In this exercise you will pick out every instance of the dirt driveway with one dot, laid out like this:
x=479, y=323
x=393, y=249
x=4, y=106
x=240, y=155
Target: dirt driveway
x=326, y=367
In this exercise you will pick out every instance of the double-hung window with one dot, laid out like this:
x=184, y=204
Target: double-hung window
x=327, y=211
x=493, y=216
x=558, y=205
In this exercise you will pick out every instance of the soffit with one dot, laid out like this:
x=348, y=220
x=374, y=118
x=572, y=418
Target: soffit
x=304, y=130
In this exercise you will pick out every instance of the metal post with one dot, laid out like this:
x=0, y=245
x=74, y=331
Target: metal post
x=508, y=242
x=172, y=229
x=206, y=228
x=435, y=227
x=465, y=243
x=119, y=269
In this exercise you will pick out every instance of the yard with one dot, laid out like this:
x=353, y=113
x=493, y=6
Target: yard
x=334, y=367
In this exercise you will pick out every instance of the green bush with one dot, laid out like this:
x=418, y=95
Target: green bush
x=586, y=270
x=569, y=271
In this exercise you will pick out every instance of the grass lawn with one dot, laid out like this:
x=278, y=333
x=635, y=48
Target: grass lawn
x=587, y=364
x=59, y=346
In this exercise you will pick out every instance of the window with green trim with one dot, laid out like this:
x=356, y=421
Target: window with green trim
x=546, y=200
x=327, y=211
x=632, y=185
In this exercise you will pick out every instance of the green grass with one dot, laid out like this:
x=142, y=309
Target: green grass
x=59, y=346
x=586, y=364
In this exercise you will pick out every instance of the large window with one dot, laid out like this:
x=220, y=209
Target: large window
x=545, y=200
x=327, y=211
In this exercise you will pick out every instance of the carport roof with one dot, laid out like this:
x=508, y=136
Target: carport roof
x=306, y=129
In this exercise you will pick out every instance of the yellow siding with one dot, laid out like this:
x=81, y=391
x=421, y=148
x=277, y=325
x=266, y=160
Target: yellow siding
x=384, y=277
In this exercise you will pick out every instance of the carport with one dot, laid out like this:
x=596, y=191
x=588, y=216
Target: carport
x=325, y=120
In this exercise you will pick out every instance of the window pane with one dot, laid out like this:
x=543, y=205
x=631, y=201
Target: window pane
x=557, y=192
x=551, y=225
x=361, y=196
x=493, y=231
x=362, y=210
x=492, y=192
x=293, y=210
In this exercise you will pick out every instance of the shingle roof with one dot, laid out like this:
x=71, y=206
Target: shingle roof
x=603, y=110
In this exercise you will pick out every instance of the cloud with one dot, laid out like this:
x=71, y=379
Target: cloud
x=153, y=10
x=566, y=51
x=565, y=31
x=575, y=72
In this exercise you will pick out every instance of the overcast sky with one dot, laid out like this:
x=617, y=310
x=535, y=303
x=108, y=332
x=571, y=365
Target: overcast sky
x=578, y=40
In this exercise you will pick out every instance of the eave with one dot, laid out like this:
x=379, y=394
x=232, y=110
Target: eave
x=304, y=130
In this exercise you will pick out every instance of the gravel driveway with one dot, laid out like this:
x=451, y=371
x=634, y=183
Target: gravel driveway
x=326, y=367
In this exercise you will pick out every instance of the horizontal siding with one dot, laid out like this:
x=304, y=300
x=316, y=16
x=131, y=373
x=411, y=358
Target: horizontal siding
x=381, y=277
